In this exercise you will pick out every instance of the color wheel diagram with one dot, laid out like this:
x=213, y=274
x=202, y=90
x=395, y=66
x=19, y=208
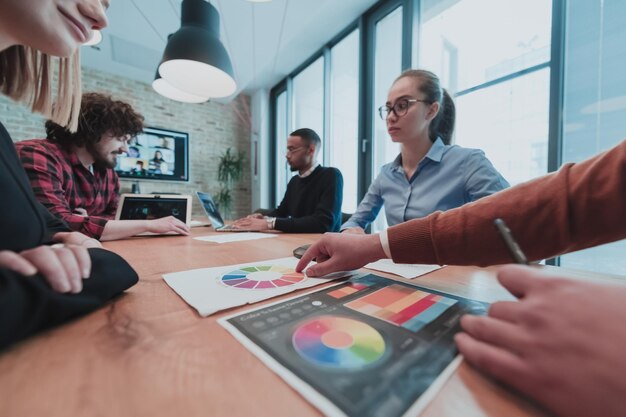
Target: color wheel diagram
x=338, y=342
x=261, y=277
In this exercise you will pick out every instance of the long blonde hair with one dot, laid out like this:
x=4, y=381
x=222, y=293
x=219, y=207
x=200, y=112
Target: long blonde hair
x=26, y=75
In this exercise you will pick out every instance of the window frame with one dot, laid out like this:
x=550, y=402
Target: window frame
x=410, y=37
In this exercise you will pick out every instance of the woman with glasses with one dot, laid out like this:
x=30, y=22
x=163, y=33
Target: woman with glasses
x=48, y=274
x=429, y=174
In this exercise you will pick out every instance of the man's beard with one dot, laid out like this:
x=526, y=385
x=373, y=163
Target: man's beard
x=101, y=161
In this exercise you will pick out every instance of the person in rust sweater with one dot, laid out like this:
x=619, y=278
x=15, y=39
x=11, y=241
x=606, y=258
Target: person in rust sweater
x=544, y=349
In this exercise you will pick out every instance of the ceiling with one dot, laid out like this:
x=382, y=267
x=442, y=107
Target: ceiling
x=266, y=41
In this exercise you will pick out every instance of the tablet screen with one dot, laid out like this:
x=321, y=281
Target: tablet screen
x=148, y=208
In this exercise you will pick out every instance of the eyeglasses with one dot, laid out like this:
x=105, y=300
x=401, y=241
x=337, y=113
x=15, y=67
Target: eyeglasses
x=400, y=107
x=294, y=150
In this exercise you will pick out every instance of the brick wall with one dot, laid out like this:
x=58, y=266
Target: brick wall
x=212, y=128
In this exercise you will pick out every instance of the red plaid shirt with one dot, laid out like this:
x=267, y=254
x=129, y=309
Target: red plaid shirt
x=63, y=184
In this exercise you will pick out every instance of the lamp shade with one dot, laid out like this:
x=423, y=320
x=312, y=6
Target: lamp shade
x=164, y=88
x=195, y=60
x=96, y=38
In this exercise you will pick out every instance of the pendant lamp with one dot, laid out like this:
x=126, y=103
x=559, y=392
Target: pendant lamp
x=96, y=38
x=167, y=90
x=195, y=60
x=164, y=88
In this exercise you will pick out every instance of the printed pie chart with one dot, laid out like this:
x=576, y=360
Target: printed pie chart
x=261, y=277
x=338, y=342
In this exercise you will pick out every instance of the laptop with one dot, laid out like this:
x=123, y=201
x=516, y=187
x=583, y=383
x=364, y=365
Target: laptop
x=154, y=206
x=210, y=208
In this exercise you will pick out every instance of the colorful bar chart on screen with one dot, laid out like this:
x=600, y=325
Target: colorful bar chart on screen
x=347, y=290
x=403, y=306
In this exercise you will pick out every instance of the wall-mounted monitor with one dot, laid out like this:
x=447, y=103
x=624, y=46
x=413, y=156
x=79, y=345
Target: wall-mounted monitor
x=156, y=154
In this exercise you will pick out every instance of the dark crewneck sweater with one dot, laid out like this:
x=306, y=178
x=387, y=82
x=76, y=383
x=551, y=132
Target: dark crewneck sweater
x=311, y=204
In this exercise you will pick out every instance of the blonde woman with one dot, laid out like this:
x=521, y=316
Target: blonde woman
x=43, y=265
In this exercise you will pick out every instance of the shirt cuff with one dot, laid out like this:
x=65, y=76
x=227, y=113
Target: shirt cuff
x=348, y=225
x=384, y=242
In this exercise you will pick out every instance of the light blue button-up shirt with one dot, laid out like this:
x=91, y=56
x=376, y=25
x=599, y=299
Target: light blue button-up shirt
x=447, y=177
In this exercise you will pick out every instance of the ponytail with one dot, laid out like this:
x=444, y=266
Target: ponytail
x=442, y=126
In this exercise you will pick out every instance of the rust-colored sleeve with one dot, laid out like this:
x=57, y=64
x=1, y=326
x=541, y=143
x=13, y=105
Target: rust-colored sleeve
x=579, y=206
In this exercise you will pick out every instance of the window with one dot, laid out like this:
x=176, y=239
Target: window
x=497, y=67
x=387, y=66
x=343, y=142
x=282, y=173
x=306, y=110
x=494, y=57
x=509, y=121
x=595, y=101
x=308, y=100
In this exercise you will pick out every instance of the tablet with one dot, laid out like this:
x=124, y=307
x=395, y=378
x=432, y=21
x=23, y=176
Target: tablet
x=154, y=206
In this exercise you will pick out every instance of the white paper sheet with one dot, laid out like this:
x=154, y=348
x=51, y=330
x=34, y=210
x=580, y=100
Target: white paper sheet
x=403, y=270
x=198, y=223
x=206, y=289
x=235, y=237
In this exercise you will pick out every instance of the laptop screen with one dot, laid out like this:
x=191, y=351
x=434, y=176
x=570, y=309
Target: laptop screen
x=148, y=208
x=209, y=207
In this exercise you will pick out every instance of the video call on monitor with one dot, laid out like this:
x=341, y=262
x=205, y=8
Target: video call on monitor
x=156, y=154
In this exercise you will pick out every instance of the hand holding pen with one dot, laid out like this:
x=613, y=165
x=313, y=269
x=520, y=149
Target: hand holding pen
x=509, y=241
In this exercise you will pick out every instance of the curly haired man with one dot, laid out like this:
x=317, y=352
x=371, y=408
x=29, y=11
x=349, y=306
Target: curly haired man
x=73, y=176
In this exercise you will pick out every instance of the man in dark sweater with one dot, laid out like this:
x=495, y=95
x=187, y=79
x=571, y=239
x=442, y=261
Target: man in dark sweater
x=312, y=203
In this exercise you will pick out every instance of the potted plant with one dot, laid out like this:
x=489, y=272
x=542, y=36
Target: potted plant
x=229, y=171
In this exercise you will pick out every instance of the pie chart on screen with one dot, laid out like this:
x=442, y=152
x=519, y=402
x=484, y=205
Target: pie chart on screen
x=338, y=342
x=261, y=277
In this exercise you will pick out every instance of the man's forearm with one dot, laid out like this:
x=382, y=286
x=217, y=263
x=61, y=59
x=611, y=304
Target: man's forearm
x=580, y=206
x=120, y=229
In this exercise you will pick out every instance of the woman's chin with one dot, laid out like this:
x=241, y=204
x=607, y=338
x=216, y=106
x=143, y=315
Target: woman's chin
x=62, y=48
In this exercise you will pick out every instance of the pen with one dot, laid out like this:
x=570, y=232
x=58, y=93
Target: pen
x=511, y=244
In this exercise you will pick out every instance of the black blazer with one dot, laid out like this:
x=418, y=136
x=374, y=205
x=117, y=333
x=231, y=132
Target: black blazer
x=28, y=304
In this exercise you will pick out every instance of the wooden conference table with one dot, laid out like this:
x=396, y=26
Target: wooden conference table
x=148, y=353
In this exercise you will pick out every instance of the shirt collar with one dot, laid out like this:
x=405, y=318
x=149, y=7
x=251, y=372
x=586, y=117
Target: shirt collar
x=68, y=155
x=74, y=161
x=435, y=153
x=309, y=171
